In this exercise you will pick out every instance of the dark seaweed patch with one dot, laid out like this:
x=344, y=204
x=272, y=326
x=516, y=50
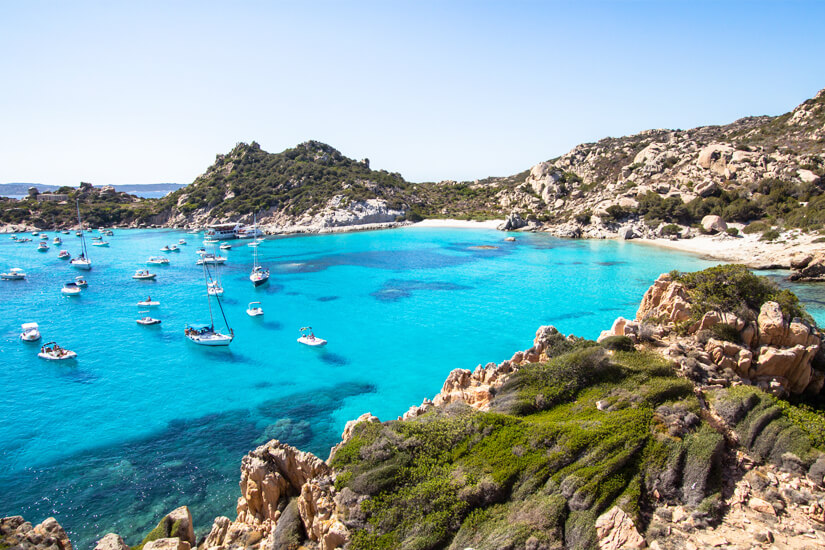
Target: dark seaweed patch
x=396, y=289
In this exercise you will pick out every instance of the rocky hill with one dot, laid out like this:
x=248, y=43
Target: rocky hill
x=699, y=424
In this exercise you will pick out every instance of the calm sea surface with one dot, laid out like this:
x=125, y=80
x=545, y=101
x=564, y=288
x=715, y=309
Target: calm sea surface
x=145, y=421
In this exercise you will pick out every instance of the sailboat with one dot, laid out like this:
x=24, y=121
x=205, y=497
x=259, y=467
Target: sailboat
x=259, y=275
x=82, y=261
x=206, y=335
x=213, y=286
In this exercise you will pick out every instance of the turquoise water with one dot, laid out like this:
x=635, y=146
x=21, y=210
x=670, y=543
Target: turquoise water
x=146, y=421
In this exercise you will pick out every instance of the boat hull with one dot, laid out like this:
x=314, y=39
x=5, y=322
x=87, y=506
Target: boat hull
x=312, y=342
x=81, y=265
x=52, y=357
x=212, y=340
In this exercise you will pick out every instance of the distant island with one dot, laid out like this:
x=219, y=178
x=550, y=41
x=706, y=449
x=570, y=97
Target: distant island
x=149, y=190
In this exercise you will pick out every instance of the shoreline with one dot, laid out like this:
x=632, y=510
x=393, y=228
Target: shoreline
x=745, y=249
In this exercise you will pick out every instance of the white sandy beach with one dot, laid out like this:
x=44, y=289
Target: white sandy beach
x=746, y=249
x=468, y=224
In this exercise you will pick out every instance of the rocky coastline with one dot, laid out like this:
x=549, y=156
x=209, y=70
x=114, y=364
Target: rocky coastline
x=771, y=499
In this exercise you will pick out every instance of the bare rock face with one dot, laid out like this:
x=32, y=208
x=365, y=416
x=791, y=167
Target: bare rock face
x=186, y=530
x=269, y=473
x=17, y=533
x=167, y=544
x=112, y=541
x=666, y=301
x=319, y=513
x=728, y=355
x=616, y=531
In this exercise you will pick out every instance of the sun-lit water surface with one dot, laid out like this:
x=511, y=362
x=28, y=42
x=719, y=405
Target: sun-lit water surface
x=146, y=421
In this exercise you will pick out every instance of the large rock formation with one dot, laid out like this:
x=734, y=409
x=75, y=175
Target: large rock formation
x=16, y=533
x=774, y=351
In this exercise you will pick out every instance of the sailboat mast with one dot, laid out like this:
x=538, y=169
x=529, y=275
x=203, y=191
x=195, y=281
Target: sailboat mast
x=255, y=236
x=208, y=301
x=82, y=236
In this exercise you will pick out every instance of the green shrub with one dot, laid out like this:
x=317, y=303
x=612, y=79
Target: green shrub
x=769, y=235
x=671, y=229
x=732, y=231
x=618, y=343
x=756, y=227
x=728, y=333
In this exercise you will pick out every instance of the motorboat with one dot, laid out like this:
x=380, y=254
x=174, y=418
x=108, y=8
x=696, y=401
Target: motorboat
x=144, y=275
x=181, y=241
x=24, y=240
x=13, y=274
x=211, y=241
x=31, y=332
x=80, y=281
x=78, y=233
x=71, y=289
x=109, y=233
x=53, y=352
x=57, y=240
x=64, y=255
x=206, y=335
x=214, y=289
x=225, y=246
x=65, y=231
x=13, y=237
x=35, y=233
x=43, y=246
x=166, y=248
x=147, y=320
x=100, y=243
x=259, y=275
x=254, y=309
x=82, y=261
x=200, y=251
x=148, y=302
x=211, y=259
x=97, y=238
x=174, y=248
x=254, y=243
x=308, y=338
x=158, y=260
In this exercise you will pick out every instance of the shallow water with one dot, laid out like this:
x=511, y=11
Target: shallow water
x=145, y=421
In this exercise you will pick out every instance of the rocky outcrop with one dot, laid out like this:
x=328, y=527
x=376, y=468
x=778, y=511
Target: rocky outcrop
x=810, y=267
x=665, y=301
x=16, y=533
x=112, y=541
x=616, y=530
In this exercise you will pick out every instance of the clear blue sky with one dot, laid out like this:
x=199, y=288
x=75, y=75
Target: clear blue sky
x=142, y=92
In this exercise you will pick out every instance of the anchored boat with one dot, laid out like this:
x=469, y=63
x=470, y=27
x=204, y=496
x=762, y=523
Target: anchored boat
x=13, y=274
x=254, y=309
x=82, y=261
x=206, y=335
x=31, y=332
x=53, y=352
x=308, y=338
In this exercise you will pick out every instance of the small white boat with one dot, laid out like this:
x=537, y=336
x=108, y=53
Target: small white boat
x=57, y=240
x=211, y=259
x=225, y=246
x=71, y=289
x=35, y=233
x=214, y=289
x=100, y=243
x=174, y=248
x=13, y=274
x=158, y=260
x=308, y=338
x=254, y=309
x=78, y=233
x=31, y=332
x=144, y=275
x=13, y=237
x=253, y=244
x=53, y=352
x=43, y=246
x=210, y=241
x=80, y=281
x=63, y=255
x=181, y=241
x=65, y=231
x=97, y=238
x=165, y=248
x=148, y=302
x=24, y=240
x=146, y=320
x=108, y=233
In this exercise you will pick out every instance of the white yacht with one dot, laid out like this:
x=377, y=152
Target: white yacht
x=206, y=335
x=31, y=332
x=13, y=274
x=71, y=289
x=82, y=261
x=254, y=309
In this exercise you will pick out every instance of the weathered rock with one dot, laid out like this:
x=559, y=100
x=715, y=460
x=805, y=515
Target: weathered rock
x=616, y=531
x=112, y=541
x=713, y=224
x=728, y=355
x=513, y=222
x=173, y=543
x=706, y=189
x=793, y=364
x=814, y=269
x=666, y=300
x=807, y=176
x=269, y=473
x=183, y=519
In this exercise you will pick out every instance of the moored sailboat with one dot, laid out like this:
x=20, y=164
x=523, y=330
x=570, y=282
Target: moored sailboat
x=206, y=335
x=259, y=275
x=82, y=261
